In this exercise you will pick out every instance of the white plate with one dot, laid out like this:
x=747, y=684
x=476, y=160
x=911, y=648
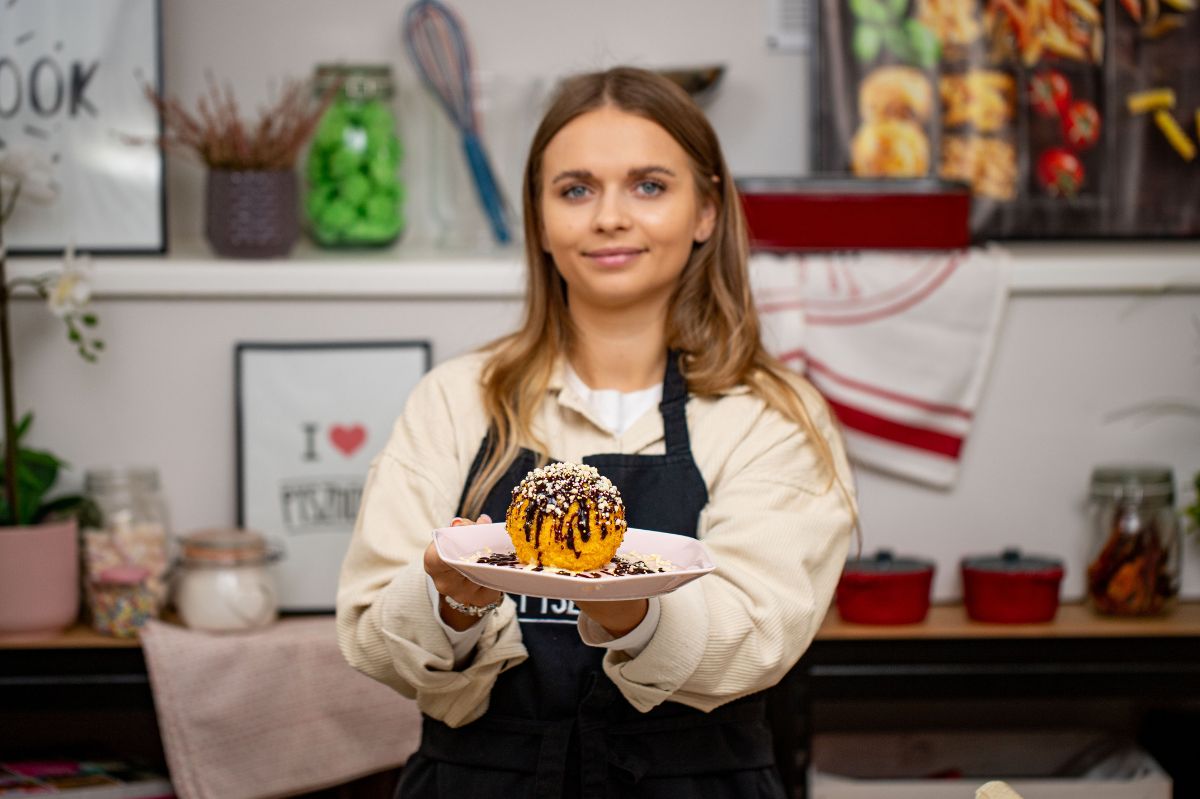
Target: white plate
x=687, y=555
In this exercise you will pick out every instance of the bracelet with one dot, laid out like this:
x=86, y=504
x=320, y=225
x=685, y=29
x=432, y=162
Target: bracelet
x=472, y=610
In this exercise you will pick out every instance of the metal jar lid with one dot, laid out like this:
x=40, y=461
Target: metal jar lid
x=359, y=81
x=1133, y=483
x=226, y=547
x=884, y=562
x=1013, y=561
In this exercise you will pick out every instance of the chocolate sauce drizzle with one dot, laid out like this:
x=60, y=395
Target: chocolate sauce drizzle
x=567, y=494
x=619, y=566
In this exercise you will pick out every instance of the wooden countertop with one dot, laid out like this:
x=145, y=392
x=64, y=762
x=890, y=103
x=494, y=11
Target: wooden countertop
x=1074, y=620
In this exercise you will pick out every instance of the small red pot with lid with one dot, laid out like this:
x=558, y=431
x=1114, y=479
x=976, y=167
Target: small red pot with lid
x=1011, y=588
x=885, y=589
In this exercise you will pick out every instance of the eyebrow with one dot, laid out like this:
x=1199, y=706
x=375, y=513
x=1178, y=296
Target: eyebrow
x=636, y=172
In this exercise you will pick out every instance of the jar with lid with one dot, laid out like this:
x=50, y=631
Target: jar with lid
x=1134, y=569
x=224, y=583
x=354, y=196
x=127, y=525
x=121, y=602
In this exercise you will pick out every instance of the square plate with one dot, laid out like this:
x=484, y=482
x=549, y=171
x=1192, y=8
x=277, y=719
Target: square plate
x=689, y=556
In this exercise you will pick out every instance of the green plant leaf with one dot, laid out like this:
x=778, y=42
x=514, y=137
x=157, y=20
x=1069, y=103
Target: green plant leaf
x=73, y=335
x=867, y=41
x=896, y=41
x=896, y=8
x=870, y=10
x=23, y=425
x=62, y=507
x=90, y=319
x=926, y=49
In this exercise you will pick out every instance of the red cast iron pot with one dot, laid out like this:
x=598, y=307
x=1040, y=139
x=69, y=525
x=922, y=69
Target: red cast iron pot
x=1011, y=588
x=884, y=590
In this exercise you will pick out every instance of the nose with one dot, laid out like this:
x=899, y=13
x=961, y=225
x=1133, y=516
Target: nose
x=611, y=213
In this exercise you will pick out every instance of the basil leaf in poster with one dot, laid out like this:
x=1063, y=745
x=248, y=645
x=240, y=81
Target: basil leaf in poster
x=870, y=10
x=867, y=41
x=925, y=47
x=896, y=40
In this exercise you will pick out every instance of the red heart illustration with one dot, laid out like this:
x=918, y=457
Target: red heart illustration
x=348, y=439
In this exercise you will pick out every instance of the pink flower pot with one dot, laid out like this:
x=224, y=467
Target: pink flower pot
x=39, y=579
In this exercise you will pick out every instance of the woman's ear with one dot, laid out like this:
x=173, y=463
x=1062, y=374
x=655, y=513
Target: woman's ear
x=706, y=222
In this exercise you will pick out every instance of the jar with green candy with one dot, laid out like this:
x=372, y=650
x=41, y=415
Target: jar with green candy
x=354, y=195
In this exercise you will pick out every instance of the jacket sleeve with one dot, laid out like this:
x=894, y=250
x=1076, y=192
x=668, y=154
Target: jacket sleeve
x=778, y=533
x=385, y=621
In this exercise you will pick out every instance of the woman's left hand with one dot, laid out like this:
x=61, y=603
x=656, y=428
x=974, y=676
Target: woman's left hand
x=618, y=618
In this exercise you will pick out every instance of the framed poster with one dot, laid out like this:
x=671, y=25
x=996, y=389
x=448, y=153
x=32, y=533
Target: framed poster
x=72, y=79
x=310, y=417
x=1066, y=118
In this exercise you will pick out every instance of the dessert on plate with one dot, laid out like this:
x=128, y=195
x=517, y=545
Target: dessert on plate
x=566, y=516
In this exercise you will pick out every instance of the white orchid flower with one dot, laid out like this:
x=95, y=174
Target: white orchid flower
x=69, y=292
x=31, y=170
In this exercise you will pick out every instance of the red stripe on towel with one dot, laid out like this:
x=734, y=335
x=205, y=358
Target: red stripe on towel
x=908, y=435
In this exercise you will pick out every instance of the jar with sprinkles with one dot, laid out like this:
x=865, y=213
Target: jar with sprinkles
x=122, y=601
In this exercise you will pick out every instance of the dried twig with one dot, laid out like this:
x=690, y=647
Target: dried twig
x=216, y=133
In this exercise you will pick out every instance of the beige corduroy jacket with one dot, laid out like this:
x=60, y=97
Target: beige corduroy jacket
x=776, y=531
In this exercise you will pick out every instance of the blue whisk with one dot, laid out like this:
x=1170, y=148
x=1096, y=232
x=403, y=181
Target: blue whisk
x=438, y=48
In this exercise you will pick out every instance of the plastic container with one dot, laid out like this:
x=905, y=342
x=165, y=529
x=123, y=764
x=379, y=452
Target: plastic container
x=1135, y=562
x=130, y=527
x=1011, y=588
x=885, y=589
x=224, y=584
x=354, y=196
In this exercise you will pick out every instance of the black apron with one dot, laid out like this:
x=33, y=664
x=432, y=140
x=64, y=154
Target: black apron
x=556, y=726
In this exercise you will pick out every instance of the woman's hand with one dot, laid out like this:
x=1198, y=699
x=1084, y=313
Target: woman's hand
x=618, y=618
x=451, y=583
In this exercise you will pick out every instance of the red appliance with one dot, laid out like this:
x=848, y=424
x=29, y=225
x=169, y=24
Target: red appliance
x=884, y=590
x=790, y=214
x=1011, y=588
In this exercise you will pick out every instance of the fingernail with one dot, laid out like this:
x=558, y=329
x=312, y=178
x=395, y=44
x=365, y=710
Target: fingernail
x=485, y=519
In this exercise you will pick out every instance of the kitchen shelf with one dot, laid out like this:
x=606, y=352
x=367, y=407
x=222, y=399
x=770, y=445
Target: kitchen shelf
x=404, y=273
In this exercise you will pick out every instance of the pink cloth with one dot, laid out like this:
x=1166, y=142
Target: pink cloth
x=270, y=713
x=898, y=343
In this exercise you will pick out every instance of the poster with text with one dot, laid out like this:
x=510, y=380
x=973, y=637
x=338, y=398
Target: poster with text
x=76, y=129
x=310, y=417
x=1066, y=118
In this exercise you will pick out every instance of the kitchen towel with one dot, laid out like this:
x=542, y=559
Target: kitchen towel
x=270, y=713
x=898, y=343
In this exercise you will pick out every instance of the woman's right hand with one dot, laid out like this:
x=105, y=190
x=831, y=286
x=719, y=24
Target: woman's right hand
x=451, y=583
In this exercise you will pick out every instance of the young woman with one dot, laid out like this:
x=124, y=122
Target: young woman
x=639, y=354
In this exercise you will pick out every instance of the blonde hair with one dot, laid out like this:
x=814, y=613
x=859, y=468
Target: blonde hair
x=711, y=317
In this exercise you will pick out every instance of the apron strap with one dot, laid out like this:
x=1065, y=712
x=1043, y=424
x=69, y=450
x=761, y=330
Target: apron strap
x=674, y=409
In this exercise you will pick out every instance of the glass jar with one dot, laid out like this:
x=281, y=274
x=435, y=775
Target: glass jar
x=1134, y=569
x=354, y=196
x=128, y=528
x=122, y=601
x=224, y=584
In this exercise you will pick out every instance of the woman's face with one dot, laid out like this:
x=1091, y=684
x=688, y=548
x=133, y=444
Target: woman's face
x=620, y=209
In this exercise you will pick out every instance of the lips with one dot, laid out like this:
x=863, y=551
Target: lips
x=614, y=256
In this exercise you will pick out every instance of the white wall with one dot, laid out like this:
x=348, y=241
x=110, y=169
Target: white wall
x=163, y=394
x=520, y=46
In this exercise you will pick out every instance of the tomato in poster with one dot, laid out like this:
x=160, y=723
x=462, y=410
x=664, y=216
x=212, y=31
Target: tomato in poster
x=1060, y=172
x=1049, y=93
x=1081, y=125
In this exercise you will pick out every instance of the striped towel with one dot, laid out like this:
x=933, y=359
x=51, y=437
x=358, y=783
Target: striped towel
x=270, y=713
x=899, y=344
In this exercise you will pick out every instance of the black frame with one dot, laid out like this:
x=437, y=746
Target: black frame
x=161, y=248
x=283, y=346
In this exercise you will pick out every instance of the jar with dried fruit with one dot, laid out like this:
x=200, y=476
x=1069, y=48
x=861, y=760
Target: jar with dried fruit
x=1135, y=568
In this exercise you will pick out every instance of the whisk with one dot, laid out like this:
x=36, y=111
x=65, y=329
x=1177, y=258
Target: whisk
x=438, y=48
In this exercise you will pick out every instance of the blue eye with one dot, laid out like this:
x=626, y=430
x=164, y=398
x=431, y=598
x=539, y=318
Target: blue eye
x=574, y=192
x=651, y=188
